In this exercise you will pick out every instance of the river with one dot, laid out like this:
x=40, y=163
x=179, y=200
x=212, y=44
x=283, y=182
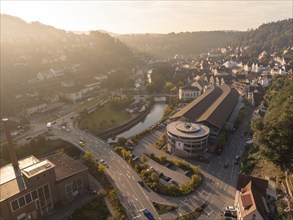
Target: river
x=152, y=118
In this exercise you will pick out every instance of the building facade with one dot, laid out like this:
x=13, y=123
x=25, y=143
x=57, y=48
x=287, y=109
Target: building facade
x=187, y=139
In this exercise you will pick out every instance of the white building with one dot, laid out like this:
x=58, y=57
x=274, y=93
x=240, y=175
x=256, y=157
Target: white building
x=187, y=139
x=189, y=92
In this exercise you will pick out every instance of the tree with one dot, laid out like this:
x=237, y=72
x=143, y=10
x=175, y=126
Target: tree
x=122, y=141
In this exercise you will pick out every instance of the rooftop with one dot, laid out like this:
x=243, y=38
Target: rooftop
x=214, y=106
x=187, y=130
x=12, y=180
x=65, y=166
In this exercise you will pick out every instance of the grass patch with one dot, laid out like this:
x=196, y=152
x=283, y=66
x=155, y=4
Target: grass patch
x=104, y=118
x=163, y=208
x=94, y=210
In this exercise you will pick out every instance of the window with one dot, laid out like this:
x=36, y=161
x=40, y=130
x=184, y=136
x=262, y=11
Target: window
x=28, y=198
x=47, y=192
x=14, y=205
x=21, y=201
x=34, y=194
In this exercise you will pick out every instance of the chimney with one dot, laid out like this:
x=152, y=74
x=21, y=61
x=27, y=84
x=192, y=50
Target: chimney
x=11, y=148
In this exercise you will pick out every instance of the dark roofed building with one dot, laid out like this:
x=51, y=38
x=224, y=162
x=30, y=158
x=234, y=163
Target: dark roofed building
x=212, y=108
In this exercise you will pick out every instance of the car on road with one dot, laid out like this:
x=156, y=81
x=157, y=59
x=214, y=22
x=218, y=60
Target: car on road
x=28, y=137
x=81, y=142
x=148, y=214
x=236, y=162
x=141, y=183
x=226, y=165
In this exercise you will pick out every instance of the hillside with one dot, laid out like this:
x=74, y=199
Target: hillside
x=29, y=48
x=168, y=45
x=271, y=37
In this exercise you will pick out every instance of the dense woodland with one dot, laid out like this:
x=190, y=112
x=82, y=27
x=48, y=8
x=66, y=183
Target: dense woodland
x=271, y=37
x=274, y=132
x=184, y=43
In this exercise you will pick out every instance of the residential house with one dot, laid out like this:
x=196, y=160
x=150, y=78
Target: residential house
x=251, y=198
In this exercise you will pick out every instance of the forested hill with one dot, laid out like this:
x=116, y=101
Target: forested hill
x=29, y=48
x=273, y=133
x=187, y=43
x=270, y=37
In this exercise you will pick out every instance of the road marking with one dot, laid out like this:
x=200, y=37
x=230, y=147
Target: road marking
x=208, y=211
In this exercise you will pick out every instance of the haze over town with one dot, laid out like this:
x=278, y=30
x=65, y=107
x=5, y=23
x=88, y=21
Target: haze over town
x=124, y=17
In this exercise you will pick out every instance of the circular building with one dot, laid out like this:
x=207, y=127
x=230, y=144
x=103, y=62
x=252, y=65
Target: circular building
x=187, y=139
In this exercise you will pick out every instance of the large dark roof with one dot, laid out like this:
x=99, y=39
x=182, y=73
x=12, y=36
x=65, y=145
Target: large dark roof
x=214, y=106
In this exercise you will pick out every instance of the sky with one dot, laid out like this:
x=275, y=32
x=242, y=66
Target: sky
x=150, y=16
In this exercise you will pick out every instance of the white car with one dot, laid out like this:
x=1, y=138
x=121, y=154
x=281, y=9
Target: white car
x=103, y=162
x=230, y=208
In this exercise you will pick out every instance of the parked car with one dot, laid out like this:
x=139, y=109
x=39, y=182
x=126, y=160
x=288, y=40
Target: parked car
x=168, y=165
x=135, y=158
x=226, y=165
x=229, y=213
x=92, y=191
x=167, y=178
x=103, y=162
x=230, y=208
x=187, y=172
